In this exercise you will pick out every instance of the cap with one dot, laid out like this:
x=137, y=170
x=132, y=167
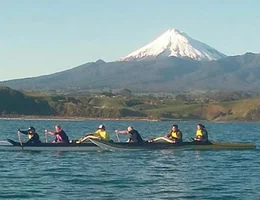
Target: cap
x=101, y=126
x=31, y=128
x=175, y=125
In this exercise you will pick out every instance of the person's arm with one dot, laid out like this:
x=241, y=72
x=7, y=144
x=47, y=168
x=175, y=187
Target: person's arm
x=121, y=132
x=179, y=135
x=205, y=135
x=23, y=132
x=97, y=133
x=168, y=134
x=30, y=140
x=51, y=133
x=195, y=138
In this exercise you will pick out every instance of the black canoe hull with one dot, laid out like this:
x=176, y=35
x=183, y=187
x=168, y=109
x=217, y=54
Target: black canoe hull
x=95, y=145
x=12, y=145
x=161, y=145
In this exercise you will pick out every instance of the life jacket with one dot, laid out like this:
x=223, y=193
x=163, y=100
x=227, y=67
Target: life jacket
x=30, y=136
x=34, y=138
x=103, y=134
x=199, y=133
x=175, y=135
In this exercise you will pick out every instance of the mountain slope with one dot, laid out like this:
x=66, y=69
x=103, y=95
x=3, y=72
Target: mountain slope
x=164, y=75
x=175, y=43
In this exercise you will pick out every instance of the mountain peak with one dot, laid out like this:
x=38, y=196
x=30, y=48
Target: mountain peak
x=176, y=43
x=100, y=61
x=174, y=31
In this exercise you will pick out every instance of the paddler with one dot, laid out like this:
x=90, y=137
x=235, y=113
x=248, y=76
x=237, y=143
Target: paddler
x=61, y=136
x=135, y=137
x=201, y=134
x=173, y=136
x=100, y=134
x=32, y=135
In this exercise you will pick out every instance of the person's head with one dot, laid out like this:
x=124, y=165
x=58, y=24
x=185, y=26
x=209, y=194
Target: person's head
x=58, y=128
x=31, y=130
x=200, y=127
x=174, y=127
x=129, y=128
x=101, y=127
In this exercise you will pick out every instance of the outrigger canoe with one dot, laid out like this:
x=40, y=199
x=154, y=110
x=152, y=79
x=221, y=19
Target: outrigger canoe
x=95, y=145
x=164, y=145
x=14, y=146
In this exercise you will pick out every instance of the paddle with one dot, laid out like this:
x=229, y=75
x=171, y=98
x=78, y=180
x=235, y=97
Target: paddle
x=19, y=138
x=46, y=136
x=190, y=139
x=117, y=136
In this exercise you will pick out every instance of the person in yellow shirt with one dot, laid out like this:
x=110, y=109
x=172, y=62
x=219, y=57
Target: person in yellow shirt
x=201, y=134
x=173, y=136
x=101, y=134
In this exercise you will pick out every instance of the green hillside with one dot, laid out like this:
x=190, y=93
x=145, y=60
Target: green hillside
x=15, y=103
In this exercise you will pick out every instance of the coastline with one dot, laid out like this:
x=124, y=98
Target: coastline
x=68, y=118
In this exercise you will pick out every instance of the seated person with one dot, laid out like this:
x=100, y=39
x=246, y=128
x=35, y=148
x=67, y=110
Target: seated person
x=61, y=136
x=32, y=135
x=174, y=136
x=134, y=135
x=201, y=134
x=101, y=134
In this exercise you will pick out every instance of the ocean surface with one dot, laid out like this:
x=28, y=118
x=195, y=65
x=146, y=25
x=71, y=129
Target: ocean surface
x=160, y=174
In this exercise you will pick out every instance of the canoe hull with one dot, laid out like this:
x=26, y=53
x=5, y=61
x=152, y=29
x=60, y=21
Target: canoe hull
x=96, y=145
x=184, y=146
x=112, y=146
x=11, y=145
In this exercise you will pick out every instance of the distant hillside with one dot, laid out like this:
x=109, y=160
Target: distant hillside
x=163, y=75
x=17, y=103
x=216, y=107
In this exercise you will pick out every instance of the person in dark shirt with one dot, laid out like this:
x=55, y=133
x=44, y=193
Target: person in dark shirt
x=134, y=135
x=61, y=136
x=32, y=135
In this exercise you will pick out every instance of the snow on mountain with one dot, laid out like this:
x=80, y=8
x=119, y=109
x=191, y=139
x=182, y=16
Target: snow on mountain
x=175, y=43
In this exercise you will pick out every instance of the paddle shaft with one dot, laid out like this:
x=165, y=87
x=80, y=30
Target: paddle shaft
x=46, y=137
x=118, y=139
x=19, y=138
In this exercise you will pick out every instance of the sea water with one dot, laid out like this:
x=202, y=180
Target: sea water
x=158, y=174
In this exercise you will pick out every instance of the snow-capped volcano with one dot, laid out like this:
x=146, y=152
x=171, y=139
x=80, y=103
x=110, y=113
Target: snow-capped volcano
x=175, y=43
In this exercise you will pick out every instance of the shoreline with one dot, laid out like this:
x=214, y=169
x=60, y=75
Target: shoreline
x=63, y=118
x=60, y=118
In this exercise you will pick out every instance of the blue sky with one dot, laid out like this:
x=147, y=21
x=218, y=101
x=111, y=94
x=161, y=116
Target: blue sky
x=42, y=37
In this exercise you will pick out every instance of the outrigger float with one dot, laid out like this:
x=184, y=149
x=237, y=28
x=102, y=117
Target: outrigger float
x=95, y=145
